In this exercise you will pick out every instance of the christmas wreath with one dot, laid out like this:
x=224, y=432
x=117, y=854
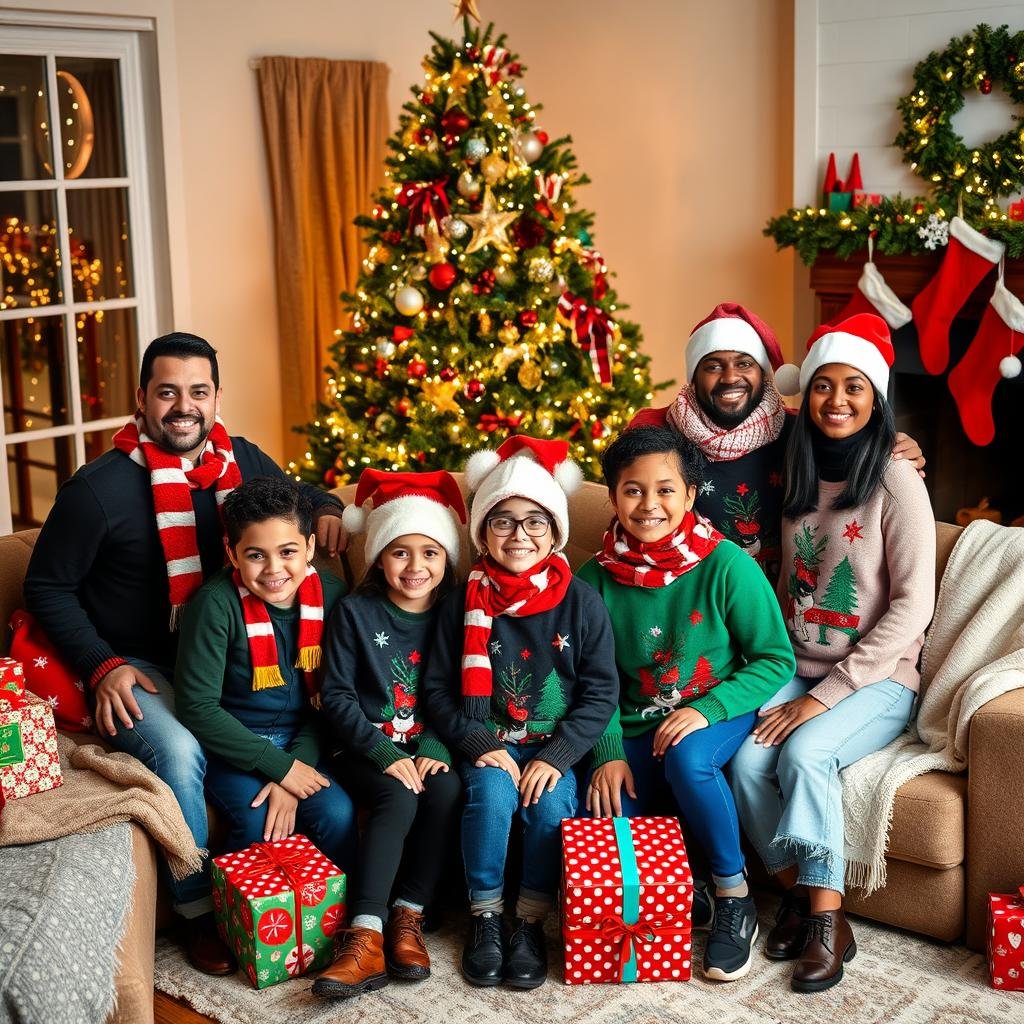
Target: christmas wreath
x=978, y=60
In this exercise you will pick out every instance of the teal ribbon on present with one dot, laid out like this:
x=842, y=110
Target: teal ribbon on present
x=630, y=890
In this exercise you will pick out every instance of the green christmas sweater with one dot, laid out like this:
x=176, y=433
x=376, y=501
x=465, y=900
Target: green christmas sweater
x=374, y=653
x=213, y=694
x=713, y=640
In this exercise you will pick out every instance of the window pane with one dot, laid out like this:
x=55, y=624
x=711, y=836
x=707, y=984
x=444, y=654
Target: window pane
x=34, y=373
x=24, y=119
x=89, y=94
x=35, y=469
x=101, y=265
x=99, y=441
x=107, y=365
x=29, y=260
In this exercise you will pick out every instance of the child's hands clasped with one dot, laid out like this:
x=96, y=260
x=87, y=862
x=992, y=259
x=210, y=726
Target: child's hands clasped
x=429, y=766
x=405, y=771
x=281, y=808
x=302, y=780
x=778, y=722
x=674, y=727
x=604, y=797
x=500, y=759
x=536, y=778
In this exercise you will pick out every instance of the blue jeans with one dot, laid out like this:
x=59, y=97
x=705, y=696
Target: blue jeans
x=327, y=817
x=790, y=797
x=492, y=800
x=693, y=771
x=171, y=752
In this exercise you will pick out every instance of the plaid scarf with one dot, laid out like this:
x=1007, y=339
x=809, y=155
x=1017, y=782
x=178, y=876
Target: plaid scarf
x=761, y=427
x=635, y=564
x=266, y=672
x=492, y=590
x=173, y=479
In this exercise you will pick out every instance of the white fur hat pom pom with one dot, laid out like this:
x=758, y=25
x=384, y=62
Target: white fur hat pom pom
x=569, y=477
x=354, y=518
x=478, y=466
x=787, y=379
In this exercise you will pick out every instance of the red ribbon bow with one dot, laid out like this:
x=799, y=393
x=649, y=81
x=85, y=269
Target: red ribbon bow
x=628, y=937
x=491, y=422
x=425, y=200
x=594, y=331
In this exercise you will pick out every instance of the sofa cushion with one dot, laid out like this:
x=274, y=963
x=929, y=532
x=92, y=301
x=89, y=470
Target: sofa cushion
x=928, y=821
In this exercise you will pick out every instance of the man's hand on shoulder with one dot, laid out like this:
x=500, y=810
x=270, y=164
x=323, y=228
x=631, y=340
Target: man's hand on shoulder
x=114, y=697
x=331, y=535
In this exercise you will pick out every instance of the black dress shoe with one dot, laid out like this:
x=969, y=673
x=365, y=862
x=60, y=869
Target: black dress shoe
x=526, y=965
x=204, y=948
x=484, y=955
x=787, y=937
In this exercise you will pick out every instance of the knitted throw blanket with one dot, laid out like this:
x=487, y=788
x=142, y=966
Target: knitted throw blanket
x=973, y=653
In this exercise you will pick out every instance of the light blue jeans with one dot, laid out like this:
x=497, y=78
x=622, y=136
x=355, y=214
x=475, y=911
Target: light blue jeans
x=790, y=797
x=171, y=752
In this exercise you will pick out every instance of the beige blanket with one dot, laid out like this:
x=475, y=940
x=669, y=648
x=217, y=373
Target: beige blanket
x=974, y=652
x=99, y=789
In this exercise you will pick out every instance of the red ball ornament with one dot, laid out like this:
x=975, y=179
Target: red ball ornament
x=986, y=86
x=474, y=388
x=401, y=333
x=417, y=368
x=402, y=406
x=515, y=68
x=377, y=212
x=442, y=276
x=597, y=429
x=527, y=318
x=381, y=368
x=421, y=457
x=528, y=233
x=449, y=373
x=919, y=208
x=392, y=237
x=542, y=136
x=455, y=121
x=330, y=477
x=472, y=52
x=423, y=135
x=427, y=97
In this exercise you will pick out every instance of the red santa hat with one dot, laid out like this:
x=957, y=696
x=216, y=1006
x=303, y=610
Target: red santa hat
x=733, y=328
x=523, y=467
x=861, y=341
x=804, y=574
x=403, y=503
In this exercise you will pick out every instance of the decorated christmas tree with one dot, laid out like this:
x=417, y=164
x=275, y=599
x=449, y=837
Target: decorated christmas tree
x=483, y=307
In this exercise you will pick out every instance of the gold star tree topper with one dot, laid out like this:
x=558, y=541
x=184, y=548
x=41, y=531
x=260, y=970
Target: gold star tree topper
x=489, y=225
x=466, y=9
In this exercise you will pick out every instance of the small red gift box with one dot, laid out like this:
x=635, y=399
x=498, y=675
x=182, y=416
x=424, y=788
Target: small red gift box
x=1016, y=210
x=12, y=676
x=626, y=896
x=29, y=762
x=866, y=198
x=1006, y=940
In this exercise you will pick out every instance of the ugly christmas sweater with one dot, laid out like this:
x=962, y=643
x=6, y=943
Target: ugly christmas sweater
x=213, y=693
x=858, y=585
x=713, y=640
x=374, y=653
x=555, y=685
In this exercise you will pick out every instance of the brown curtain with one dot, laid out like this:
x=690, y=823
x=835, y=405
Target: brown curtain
x=326, y=125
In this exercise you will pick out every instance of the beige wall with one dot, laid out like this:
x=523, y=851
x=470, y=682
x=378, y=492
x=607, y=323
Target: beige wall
x=681, y=112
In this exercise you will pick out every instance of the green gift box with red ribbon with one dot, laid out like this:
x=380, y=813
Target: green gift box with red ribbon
x=277, y=907
x=627, y=892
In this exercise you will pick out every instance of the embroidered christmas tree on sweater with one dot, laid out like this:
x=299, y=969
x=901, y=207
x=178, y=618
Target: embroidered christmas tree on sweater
x=834, y=609
x=399, y=714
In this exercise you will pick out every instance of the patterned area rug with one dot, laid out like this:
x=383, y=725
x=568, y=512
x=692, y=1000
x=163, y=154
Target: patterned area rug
x=896, y=978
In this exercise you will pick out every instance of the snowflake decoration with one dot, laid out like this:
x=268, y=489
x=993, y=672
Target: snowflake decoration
x=52, y=701
x=40, y=662
x=381, y=639
x=495, y=647
x=655, y=630
x=309, y=921
x=935, y=232
x=561, y=642
x=707, y=487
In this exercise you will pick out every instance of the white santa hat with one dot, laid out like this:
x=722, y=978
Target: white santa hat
x=404, y=503
x=861, y=341
x=523, y=467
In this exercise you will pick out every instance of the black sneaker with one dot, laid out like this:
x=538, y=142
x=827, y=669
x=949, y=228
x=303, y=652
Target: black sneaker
x=729, y=948
x=702, y=914
x=484, y=955
x=527, y=963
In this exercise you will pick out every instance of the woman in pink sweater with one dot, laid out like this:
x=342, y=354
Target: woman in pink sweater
x=858, y=591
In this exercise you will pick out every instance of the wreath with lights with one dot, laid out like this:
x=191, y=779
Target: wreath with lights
x=955, y=171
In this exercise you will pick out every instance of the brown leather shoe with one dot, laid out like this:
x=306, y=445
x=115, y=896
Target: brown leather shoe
x=204, y=947
x=829, y=945
x=358, y=966
x=403, y=939
x=786, y=940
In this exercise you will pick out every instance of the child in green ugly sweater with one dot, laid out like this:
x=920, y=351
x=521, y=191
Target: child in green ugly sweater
x=391, y=762
x=700, y=645
x=245, y=675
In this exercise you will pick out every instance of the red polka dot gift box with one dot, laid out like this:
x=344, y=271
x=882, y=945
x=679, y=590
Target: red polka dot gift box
x=29, y=762
x=277, y=907
x=1006, y=940
x=12, y=676
x=626, y=896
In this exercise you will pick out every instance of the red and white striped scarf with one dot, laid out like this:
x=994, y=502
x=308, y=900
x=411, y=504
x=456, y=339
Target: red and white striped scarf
x=635, y=564
x=492, y=590
x=173, y=479
x=266, y=672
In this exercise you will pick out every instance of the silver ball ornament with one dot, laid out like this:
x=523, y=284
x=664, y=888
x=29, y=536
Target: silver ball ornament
x=455, y=228
x=468, y=186
x=475, y=150
x=418, y=272
x=530, y=148
x=1010, y=366
x=386, y=348
x=409, y=301
x=555, y=367
x=504, y=275
x=540, y=270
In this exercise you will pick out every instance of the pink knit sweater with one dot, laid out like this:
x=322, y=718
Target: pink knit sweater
x=858, y=586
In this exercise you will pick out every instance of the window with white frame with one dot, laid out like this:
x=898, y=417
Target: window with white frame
x=77, y=289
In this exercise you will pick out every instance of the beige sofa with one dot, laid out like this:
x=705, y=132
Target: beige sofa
x=954, y=838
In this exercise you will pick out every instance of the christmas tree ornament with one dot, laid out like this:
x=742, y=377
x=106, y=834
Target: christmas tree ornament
x=464, y=289
x=555, y=367
x=403, y=406
x=466, y=9
x=527, y=317
x=449, y=373
x=380, y=368
x=437, y=247
x=969, y=257
x=417, y=368
x=330, y=477
x=484, y=324
x=528, y=233
x=540, y=270
x=986, y=86
x=468, y=186
x=529, y=376
x=505, y=275
x=496, y=105
x=460, y=78
x=556, y=286
x=484, y=283
x=392, y=237
x=455, y=228
x=594, y=332
x=528, y=147
x=508, y=333
x=386, y=348
x=545, y=423
x=474, y=389
x=409, y=300
x=505, y=357
x=475, y=149
x=442, y=276
x=441, y=394
x=418, y=272
x=380, y=254
x=991, y=357
x=425, y=201
x=493, y=168
x=385, y=423
x=400, y=333
x=490, y=225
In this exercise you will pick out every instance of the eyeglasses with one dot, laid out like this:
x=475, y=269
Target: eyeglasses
x=505, y=526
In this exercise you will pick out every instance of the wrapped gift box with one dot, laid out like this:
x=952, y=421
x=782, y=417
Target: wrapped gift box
x=866, y=198
x=1006, y=939
x=627, y=890
x=277, y=907
x=29, y=762
x=12, y=676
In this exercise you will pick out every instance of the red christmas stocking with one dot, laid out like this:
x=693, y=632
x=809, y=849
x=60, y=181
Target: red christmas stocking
x=990, y=357
x=873, y=295
x=969, y=257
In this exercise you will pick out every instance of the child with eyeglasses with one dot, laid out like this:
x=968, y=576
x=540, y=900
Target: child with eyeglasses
x=521, y=683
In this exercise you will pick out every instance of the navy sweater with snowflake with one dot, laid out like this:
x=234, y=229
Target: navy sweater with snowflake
x=555, y=685
x=374, y=653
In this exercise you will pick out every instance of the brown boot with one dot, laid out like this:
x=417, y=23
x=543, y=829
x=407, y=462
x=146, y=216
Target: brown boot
x=786, y=939
x=403, y=939
x=358, y=966
x=205, y=949
x=829, y=945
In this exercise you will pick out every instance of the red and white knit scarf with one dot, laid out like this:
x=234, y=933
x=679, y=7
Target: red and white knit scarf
x=266, y=671
x=635, y=564
x=492, y=590
x=761, y=427
x=173, y=479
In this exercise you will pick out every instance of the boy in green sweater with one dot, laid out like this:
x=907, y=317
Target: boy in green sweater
x=700, y=645
x=246, y=677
